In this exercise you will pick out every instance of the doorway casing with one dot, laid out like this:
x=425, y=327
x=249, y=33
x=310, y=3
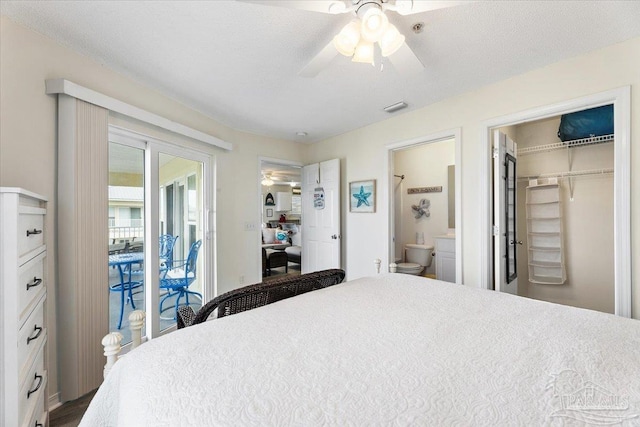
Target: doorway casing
x=261, y=160
x=621, y=100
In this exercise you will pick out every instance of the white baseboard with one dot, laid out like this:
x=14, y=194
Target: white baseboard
x=54, y=401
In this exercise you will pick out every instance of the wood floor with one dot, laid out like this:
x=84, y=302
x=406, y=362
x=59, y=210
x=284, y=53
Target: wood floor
x=70, y=413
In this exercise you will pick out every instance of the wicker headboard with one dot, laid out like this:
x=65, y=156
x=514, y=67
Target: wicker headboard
x=259, y=294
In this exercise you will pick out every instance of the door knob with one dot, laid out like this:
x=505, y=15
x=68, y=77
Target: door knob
x=514, y=242
x=334, y=236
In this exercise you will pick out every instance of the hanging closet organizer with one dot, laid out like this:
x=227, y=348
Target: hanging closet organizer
x=544, y=229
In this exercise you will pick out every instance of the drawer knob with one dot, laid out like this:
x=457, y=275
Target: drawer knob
x=39, y=378
x=38, y=330
x=36, y=282
x=34, y=231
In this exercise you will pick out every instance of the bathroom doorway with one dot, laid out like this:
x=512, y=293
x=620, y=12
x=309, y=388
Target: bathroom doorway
x=424, y=196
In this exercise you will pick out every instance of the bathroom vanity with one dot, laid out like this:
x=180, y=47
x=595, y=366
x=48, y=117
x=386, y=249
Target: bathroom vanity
x=446, y=258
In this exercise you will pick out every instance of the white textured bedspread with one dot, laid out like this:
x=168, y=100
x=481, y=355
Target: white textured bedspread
x=387, y=350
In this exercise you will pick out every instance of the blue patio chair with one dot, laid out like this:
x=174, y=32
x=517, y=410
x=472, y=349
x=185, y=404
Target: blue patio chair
x=166, y=243
x=177, y=280
x=165, y=250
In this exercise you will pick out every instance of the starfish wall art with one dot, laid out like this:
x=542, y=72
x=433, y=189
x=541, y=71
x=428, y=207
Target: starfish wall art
x=362, y=196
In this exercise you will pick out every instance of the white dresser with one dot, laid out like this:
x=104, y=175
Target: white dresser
x=23, y=331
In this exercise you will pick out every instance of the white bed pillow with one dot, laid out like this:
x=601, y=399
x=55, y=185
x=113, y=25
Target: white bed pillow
x=268, y=235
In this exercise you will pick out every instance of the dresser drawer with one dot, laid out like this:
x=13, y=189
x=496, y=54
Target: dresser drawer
x=39, y=416
x=31, y=336
x=30, y=285
x=30, y=229
x=31, y=389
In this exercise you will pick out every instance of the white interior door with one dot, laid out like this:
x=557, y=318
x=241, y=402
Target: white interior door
x=321, y=216
x=504, y=214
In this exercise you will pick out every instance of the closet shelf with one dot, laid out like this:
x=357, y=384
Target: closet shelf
x=542, y=203
x=544, y=233
x=544, y=249
x=546, y=264
x=565, y=144
x=546, y=280
x=568, y=174
x=544, y=218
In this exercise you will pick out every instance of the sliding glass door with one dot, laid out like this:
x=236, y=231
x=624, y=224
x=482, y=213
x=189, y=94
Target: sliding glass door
x=126, y=234
x=160, y=248
x=181, y=224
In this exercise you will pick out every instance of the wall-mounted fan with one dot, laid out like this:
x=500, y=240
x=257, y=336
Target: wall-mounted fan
x=369, y=35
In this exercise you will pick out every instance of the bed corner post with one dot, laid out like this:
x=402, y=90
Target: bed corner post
x=393, y=267
x=136, y=321
x=111, y=344
x=377, y=263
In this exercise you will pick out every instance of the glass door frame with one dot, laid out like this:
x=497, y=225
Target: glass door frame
x=152, y=148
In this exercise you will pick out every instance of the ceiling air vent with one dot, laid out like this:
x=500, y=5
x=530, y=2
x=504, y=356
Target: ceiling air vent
x=395, y=107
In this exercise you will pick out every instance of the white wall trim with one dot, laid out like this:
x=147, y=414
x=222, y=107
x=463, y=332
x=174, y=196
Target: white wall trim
x=57, y=86
x=54, y=402
x=621, y=99
x=455, y=134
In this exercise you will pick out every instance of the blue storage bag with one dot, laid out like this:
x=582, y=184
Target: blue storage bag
x=587, y=123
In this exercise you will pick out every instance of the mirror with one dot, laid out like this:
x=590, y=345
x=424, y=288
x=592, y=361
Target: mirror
x=451, y=190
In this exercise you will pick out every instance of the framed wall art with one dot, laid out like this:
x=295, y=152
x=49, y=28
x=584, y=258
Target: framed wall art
x=362, y=196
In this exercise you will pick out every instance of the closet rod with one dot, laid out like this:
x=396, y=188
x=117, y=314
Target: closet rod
x=568, y=174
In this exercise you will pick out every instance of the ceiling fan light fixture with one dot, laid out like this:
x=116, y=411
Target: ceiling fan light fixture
x=374, y=23
x=347, y=39
x=364, y=52
x=390, y=41
x=266, y=181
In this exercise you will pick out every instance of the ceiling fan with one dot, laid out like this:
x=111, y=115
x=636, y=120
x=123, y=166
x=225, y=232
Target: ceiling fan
x=369, y=35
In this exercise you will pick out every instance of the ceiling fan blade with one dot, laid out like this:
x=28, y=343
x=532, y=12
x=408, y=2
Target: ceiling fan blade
x=311, y=5
x=419, y=6
x=320, y=61
x=405, y=61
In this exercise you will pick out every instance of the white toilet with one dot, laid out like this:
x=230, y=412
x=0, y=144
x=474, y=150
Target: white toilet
x=417, y=258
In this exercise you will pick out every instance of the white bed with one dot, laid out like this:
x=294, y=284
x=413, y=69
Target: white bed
x=387, y=350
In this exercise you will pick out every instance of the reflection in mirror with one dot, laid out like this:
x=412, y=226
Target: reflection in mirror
x=451, y=190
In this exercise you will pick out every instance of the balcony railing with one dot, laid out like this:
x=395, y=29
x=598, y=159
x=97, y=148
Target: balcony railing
x=118, y=234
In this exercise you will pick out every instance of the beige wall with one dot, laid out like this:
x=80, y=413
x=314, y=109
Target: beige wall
x=363, y=150
x=422, y=166
x=28, y=150
x=587, y=219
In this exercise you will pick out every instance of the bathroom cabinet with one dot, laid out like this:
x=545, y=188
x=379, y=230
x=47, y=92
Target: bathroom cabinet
x=446, y=258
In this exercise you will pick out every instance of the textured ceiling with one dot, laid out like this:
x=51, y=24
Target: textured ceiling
x=238, y=62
